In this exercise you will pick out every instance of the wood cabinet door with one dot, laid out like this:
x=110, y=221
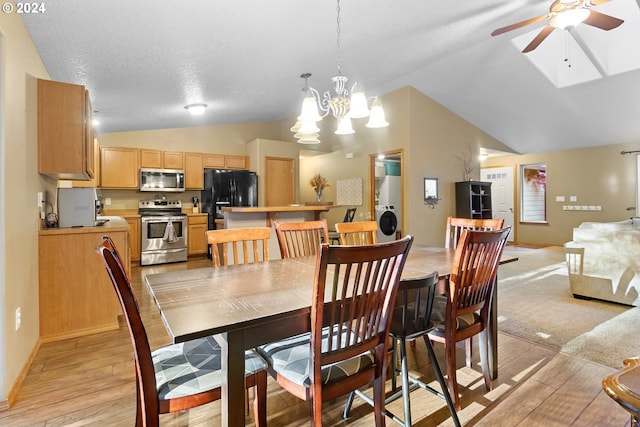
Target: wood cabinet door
x=215, y=161
x=196, y=237
x=120, y=167
x=173, y=160
x=95, y=181
x=150, y=158
x=134, y=237
x=279, y=181
x=62, y=131
x=193, y=171
x=235, y=162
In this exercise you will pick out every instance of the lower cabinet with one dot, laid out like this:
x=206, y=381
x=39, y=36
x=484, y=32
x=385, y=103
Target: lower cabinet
x=134, y=236
x=196, y=234
x=75, y=293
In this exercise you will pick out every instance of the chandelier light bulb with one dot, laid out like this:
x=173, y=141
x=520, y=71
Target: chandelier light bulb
x=359, y=108
x=376, y=118
x=308, y=126
x=344, y=127
x=309, y=110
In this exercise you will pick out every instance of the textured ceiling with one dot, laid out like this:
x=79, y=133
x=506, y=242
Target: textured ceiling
x=144, y=60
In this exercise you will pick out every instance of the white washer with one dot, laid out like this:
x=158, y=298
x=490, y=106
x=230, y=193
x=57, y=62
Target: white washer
x=387, y=223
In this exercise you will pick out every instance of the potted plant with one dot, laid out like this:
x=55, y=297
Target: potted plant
x=319, y=183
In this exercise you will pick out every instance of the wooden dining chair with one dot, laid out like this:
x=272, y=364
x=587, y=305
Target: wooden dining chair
x=464, y=311
x=358, y=233
x=251, y=243
x=347, y=346
x=300, y=238
x=178, y=376
x=411, y=320
x=455, y=226
x=349, y=215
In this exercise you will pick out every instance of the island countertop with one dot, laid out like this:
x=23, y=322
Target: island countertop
x=289, y=208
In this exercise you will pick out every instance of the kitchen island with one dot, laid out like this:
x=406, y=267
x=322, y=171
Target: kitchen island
x=241, y=217
x=76, y=296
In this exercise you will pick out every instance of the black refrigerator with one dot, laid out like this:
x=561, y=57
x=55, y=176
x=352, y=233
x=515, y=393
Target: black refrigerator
x=223, y=188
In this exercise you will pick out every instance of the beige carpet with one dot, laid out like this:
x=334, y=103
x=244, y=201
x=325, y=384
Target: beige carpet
x=535, y=303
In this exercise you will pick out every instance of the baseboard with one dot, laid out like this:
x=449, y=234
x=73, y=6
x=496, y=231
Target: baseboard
x=5, y=405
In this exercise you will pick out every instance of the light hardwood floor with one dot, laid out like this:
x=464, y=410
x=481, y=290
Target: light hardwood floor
x=89, y=381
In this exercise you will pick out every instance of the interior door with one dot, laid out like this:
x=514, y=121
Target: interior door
x=502, y=181
x=279, y=181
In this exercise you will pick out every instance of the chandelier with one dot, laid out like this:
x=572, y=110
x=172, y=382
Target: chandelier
x=343, y=102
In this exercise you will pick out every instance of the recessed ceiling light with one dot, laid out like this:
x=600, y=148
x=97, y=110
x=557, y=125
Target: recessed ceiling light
x=196, y=109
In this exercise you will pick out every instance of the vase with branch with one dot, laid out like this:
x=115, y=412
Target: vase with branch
x=466, y=162
x=319, y=183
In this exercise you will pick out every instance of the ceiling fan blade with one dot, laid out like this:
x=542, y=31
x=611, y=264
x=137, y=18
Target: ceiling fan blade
x=518, y=25
x=539, y=39
x=598, y=2
x=602, y=21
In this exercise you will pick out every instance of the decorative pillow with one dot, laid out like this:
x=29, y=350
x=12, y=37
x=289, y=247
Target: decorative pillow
x=193, y=367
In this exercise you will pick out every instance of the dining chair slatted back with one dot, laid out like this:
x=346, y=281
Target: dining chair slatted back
x=455, y=227
x=358, y=233
x=298, y=239
x=464, y=311
x=352, y=303
x=184, y=385
x=248, y=245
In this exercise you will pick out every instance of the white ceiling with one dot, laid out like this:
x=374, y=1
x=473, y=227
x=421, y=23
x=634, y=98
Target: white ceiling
x=144, y=60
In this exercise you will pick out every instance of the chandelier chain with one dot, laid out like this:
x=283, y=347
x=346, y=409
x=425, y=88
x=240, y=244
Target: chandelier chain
x=339, y=61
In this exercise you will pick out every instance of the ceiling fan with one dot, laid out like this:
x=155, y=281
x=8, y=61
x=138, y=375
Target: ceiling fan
x=565, y=14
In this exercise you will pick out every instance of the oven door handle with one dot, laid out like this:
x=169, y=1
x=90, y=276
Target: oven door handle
x=164, y=251
x=161, y=219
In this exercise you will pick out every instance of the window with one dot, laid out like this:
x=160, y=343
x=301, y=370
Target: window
x=533, y=185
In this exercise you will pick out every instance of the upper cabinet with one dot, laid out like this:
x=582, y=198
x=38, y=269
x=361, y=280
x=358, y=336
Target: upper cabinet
x=95, y=181
x=222, y=161
x=158, y=159
x=235, y=162
x=65, y=133
x=120, y=167
x=193, y=171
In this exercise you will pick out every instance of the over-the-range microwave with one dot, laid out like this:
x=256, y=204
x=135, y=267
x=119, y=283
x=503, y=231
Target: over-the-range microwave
x=158, y=180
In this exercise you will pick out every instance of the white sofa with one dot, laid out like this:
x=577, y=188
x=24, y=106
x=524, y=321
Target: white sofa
x=603, y=261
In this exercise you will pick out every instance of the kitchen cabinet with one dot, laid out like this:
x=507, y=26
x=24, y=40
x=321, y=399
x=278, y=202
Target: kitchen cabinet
x=473, y=200
x=214, y=161
x=76, y=296
x=120, y=167
x=95, y=181
x=235, y=162
x=158, y=159
x=196, y=234
x=65, y=132
x=134, y=236
x=222, y=161
x=193, y=171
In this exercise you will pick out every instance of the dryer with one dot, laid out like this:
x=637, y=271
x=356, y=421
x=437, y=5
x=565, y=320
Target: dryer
x=387, y=223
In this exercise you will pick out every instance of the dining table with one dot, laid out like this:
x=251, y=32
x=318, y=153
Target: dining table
x=247, y=305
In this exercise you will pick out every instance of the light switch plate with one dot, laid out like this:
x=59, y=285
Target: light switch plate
x=559, y=198
x=573, y=198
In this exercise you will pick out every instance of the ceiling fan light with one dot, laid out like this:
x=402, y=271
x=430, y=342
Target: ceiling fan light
x=359, y=108
x=344, y=127
x=570, y=18
x=376, y=118
x=309, y=111
x=196, y=109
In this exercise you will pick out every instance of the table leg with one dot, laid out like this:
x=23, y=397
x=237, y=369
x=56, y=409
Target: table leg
x=492, y=334
x=232, y=345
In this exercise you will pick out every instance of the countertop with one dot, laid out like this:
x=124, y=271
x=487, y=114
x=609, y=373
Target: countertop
x=114, y=223
x=290, y=208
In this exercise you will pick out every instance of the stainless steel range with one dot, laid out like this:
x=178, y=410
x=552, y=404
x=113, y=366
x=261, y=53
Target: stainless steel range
x=164, y=231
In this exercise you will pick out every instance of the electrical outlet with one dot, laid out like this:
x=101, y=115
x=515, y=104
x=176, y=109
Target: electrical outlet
x=18, y=318
x=107, y=201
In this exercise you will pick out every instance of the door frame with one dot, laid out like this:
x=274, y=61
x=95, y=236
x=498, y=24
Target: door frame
x=372, y=186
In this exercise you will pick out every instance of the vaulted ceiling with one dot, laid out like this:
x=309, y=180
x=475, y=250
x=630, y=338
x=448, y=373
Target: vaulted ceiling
x=144, y=60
